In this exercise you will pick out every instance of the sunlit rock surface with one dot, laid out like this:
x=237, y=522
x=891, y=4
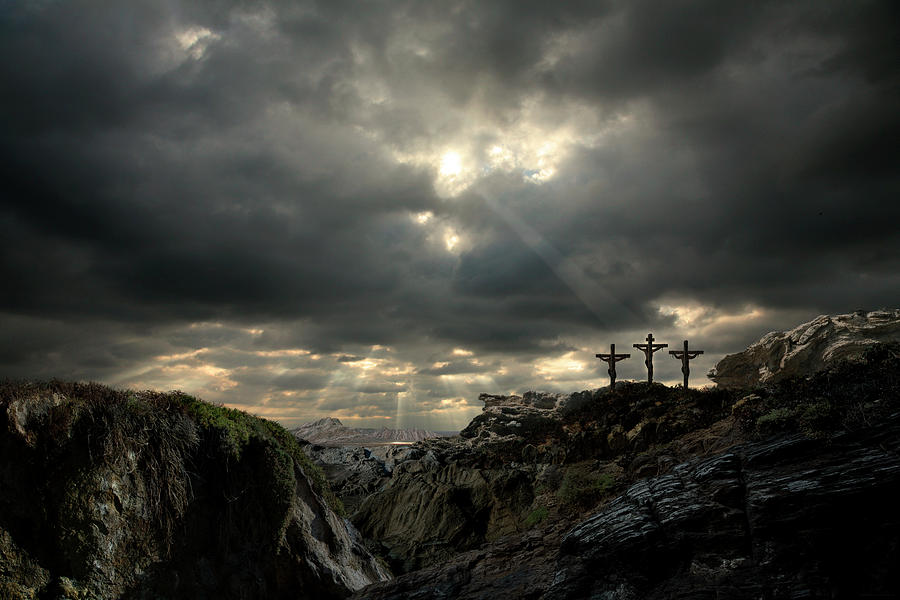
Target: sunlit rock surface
x=808, y=348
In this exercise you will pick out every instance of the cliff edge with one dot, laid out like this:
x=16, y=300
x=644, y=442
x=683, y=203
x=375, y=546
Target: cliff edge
x=108, y=494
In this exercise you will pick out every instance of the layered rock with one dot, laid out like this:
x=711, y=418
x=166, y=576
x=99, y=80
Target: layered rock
x=790, y=517
x=108, y=495
x=806, y=349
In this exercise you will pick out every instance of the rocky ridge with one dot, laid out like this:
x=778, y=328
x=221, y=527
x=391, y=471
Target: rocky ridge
x=807, y=348
x=778, y=491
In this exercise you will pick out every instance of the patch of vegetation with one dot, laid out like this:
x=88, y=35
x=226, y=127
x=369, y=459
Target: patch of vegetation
x=536, y=516
x=847, y=396
x=777, y=418
x=582, y=486
x=291, y=447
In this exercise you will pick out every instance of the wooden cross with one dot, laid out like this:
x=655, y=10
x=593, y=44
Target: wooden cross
x=648, y=349
x=612, y=358
x=685, y=356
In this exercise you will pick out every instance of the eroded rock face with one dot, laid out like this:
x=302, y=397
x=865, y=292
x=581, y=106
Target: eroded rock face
x=123, y=496
x=807, y=348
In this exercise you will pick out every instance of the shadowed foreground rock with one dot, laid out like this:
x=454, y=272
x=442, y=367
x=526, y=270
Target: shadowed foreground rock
x=787, y=518
x=790, y=517
x=123, y=495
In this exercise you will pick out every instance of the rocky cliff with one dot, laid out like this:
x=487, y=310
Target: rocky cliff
x=107, y=494
x=807, y=348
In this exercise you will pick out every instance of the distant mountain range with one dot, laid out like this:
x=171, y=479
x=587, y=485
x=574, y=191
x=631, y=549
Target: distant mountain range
x=330, y=431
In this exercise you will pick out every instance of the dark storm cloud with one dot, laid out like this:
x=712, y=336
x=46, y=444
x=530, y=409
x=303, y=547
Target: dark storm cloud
x=256, y=170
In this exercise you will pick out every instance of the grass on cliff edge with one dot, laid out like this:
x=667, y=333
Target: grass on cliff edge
x=121, y=415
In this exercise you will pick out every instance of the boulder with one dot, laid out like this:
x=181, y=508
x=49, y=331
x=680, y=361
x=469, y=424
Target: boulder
x=807, y=348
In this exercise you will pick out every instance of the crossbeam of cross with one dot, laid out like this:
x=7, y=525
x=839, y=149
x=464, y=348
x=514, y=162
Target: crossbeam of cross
x=648, y=349
x=612, y=358
x=685, y=356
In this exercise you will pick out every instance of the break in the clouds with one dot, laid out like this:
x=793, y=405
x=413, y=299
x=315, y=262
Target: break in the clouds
x=377, y=210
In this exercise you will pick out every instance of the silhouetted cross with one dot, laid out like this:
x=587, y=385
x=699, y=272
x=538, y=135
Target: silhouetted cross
x=685, y=356
x=648, y=349
x=612, y=358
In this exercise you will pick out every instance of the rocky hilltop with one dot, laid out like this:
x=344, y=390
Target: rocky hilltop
x=107, y=494
x=781, y=490
x=331, y=432
x=807, y=348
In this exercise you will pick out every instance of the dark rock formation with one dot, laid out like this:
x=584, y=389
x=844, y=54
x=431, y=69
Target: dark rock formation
x=807, y=348
x=787, y=518
x=108, y=495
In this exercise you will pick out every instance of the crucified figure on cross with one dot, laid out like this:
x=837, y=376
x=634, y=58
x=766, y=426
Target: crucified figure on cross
x=686, y=356
x=612, y=358
x=648, y=349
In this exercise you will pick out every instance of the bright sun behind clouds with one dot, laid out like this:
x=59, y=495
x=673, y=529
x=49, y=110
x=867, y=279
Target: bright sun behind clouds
x=451, y=164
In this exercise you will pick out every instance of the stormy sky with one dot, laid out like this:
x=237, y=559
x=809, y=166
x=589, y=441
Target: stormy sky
x=376, y=210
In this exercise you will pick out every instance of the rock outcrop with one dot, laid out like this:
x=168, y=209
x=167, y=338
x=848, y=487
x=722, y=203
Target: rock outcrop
x=122, y=495
x=807, y=348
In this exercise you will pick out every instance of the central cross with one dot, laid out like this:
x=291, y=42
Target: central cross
x=648, y=349
x=612, y=358
x=686, y=356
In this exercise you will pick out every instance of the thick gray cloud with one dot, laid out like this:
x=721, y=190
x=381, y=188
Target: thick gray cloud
x=395, y=205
